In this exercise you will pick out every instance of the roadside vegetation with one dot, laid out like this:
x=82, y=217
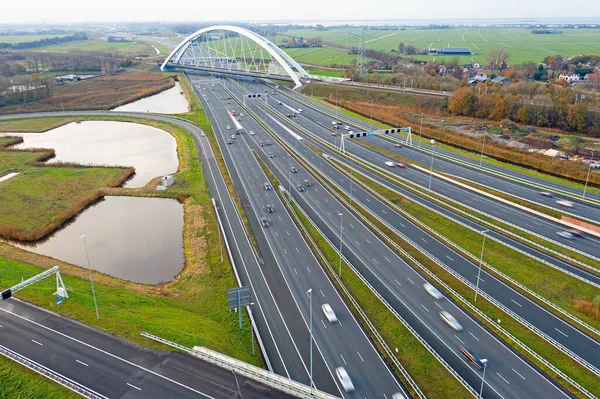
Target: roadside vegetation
x=34, y=125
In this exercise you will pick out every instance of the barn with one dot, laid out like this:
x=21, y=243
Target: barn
x=452, y=51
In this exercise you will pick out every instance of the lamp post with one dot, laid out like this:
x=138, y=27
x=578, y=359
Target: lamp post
x=484, y=361
x=341, y=215
x=289, y=175
x=309, y=293
x=482, y=145
x=431, y=169
x=420, y=129
x=91, y=279
x=480, y=262
x=588, y=173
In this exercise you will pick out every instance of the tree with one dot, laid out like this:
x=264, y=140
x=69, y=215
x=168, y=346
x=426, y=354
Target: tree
x=410, y=49
x=576, y=116
x=401, y=47
x=497, y=59
x=462, y=101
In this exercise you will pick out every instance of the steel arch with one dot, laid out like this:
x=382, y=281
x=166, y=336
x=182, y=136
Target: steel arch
x=278, y=54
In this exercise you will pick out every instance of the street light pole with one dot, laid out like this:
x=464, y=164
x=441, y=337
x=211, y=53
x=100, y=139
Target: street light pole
x=480, y=262
x=431, y=169
x=484, y=361
x=91, y=279
x=482, y=145
x=290, y=174
x=421, y=130
x=309, y=293
x=588, y=173
x=341, y=215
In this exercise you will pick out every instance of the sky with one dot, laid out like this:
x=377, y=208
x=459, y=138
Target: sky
x=58, y=11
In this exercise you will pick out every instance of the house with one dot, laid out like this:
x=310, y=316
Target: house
x=498, y=79
x=478, y=77
x=442, y=70
x=569, y=77
x=476, y=65
x=554, y=153
x=451, y=51
x=592, y=77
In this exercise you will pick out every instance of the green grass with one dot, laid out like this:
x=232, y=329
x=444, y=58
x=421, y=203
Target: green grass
x=39, y=195
x=523, y=45
x=102, y=45
x=326, y=72
x=20, y=382
x=34, y=125
x=26, y=38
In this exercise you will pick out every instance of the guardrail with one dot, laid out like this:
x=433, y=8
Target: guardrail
x=51, y=374
x=247, y=370
x=398, y=88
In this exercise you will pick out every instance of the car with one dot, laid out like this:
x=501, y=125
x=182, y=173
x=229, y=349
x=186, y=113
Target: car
x=450, y=320
x=307, y=183
x=546, y=194
x=261, y=144
x=326, y=156
x=472, y=357
x=265, y=90
x=431, y=290
x=293, y=169
x=270, y=155
x=334, y=123
x=202, y=134
x=390, y=164
x=576, y=233
x=398, y=145
x=242, y=115
x=269, y=208
x=289, y=115
x=566, y=234
x=251, y=132
x=273, y=92
x=237, y=131
x=565, y=203
x=398, y=395
x=334, y=134
x=336, y=127
x=233, y=136
x=299, y=110
x=301, y=188
x=329, y=313
x=268, y=142
x=228, y=127
x=280, y=103
x=401, y=165
x=344, y=379
x=239, y=119
x=267, y=186
x=264, y=222
x=229, y=141
x=346, y=127
x=350, y=132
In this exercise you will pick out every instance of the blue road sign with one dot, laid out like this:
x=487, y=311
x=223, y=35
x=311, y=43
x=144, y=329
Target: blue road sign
x=58, y=300
x=369, y=133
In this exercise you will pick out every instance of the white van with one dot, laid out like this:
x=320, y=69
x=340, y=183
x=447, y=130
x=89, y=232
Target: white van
x=326, y=156
x=390, y=164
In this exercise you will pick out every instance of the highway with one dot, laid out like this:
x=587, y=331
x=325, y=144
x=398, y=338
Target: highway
x=400, y=284
x=319, y=123
x=284, y=339
x=572, y=339
x=112, y=366
x=340, y=344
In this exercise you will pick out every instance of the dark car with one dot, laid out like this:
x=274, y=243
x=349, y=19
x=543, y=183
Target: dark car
x=472, y=357
x=546, y=194
x=268, y=142
x=307, y=183
x=262, y=144
x=264, y=222
x=229, y=141
x=576, y=233
x=301, y=187
x=237, y=132
x=293, y=169
x=269, y=208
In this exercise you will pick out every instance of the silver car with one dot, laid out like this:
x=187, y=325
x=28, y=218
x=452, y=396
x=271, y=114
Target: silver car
x=431, y=290
x=450, y=320
x=329, y=313
x=344, y=379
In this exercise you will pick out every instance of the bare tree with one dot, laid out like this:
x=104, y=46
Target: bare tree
x=497, y=59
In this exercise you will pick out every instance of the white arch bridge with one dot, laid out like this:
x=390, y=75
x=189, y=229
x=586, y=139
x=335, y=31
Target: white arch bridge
x=232, y=49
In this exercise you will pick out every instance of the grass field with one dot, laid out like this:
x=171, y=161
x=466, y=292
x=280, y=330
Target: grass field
x=520, y=42
x=133, y=48
x=26, y=38
x=34, y=125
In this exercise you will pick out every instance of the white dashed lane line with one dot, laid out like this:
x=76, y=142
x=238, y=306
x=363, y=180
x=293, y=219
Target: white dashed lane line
x=35, y=342
x=80, y=362
x=452, y=260
x=133, y=386
x=517, y=373
x=517, y=303
x=473, y=336
x=460, y=340
x=561, y=332
x=343, y=359
x=505, y=380
x=410, y=280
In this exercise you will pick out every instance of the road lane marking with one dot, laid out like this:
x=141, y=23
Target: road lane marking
x=323, y=295
x=279, y=218
x=452, y=260
x=297, y=250
x=561, y=332
x=288, y=233
x=295, y=271
x=423, y=306
x=398, y=282
x=410, y=280
x=503, y=378
x=1, y=326
x=356, y=242
x=80, y=362
x=276, y=235
x=133, y=386
x=39, y=343
x=351, y=225
x=517, y=303
x=326, y=200
x=473, y=336
x=322, y=322
x=343, y=359
x=375, y=260
x=384, y=211
x=516, y=372
x=385, y=257
x=402, y=225
x=480, y=279
x=461, y=341
x=368, y=199
x=307, y=269
x=284, y=251
x=424, y=240
x=363, y=360
x=438, y=305
x=367, y=240
x=328, y=213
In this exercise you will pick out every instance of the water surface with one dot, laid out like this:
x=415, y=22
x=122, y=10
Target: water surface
x=137, y=239
x=170, y=101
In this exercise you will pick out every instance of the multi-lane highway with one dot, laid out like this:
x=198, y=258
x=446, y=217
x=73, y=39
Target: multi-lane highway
x=399, y=283
x=341, y=344
x=113, y=367
x=319, y=122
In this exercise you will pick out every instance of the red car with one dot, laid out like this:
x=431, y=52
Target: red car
x=334, y=134
x=401, y=165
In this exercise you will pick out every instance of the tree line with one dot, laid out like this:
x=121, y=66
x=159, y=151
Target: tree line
x=44, y=42
x=24, y=89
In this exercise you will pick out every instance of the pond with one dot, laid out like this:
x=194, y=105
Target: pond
x=152, y=151
x=132, y=238
x=170, y=101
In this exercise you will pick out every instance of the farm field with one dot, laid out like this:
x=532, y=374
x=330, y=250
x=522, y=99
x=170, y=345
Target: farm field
x=102, y=45
x=26, y=38
x=522, y=44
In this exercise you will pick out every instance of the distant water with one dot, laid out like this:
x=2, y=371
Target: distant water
x=170, y=101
